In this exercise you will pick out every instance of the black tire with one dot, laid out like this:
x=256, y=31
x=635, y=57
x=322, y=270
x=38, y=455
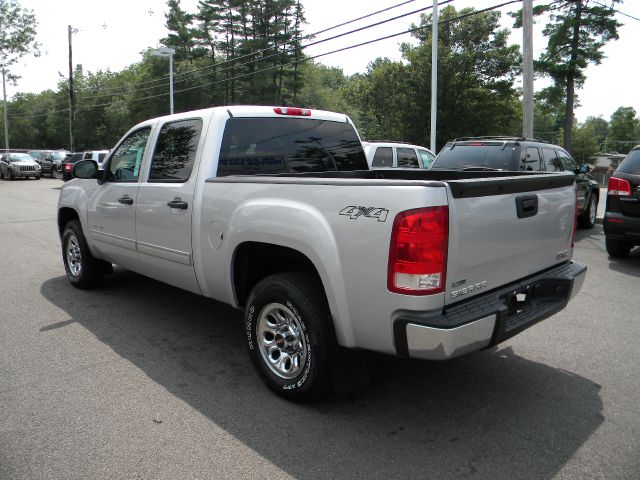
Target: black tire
x=299, y=300
x=617, y=249
x=82, y=269
x=37, y=177
x=9, y=174
x=588, y=218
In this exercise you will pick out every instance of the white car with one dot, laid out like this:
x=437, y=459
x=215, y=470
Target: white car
x=397, y=155
x=97, y=156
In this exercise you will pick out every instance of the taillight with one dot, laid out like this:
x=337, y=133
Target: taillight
x=418, y=252
x=618, y=186
x=303, y=112
x=67, y=167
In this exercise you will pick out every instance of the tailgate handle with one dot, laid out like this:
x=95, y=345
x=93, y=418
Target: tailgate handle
x=527, y=205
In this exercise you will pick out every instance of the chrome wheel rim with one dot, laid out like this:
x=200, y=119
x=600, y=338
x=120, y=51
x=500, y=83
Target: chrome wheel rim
x=74, y=256
x=592, y=210
x=283, y=345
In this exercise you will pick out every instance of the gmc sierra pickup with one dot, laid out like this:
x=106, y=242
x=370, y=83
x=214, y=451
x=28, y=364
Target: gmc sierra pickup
x=273, y=210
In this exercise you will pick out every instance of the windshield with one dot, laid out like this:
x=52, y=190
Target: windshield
x=631, y=164
x=486, y=155
x=58, y=155
x=20, y=157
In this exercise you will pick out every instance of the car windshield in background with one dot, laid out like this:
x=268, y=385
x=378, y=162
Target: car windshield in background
x=631, y=164
x=485, y=155
x=279, y=145
x=20, y=157
x=58, y=155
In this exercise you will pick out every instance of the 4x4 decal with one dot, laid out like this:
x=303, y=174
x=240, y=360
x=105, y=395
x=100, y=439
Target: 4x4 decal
x=354, y=212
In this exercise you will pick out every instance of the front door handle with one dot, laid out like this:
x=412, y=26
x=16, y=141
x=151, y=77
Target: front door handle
x=178, y=203
x=126, y=200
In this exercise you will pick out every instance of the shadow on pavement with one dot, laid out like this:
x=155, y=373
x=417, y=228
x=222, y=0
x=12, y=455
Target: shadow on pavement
x=629, y=266
x=492, y=414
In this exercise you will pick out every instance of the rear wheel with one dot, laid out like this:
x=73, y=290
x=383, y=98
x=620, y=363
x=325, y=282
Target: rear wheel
x=289, y=337
x=588, y=218
x=617, y=249
x=82, y=269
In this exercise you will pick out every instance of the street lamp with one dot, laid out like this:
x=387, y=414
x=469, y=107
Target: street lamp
x=167, y=52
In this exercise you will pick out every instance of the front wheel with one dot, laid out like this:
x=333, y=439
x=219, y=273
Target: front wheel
x=82, y=269
x=588, y=218
x=289, y=337
x=617, y=249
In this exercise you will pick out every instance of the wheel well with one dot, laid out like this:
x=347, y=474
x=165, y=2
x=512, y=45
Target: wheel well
x=254, y=261
x=65, y=215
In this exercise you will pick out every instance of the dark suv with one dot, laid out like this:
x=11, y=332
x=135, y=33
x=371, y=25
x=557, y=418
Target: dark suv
x=622, y=213
x=522, y=154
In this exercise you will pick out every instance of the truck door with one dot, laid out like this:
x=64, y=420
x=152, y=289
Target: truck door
x=165, y=206
x=111, y=207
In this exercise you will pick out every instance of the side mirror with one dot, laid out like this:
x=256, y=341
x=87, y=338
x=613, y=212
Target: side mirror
x=584, y=168
x=87, y=169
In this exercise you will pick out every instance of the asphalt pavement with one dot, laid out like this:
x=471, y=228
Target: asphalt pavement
x=139, y=380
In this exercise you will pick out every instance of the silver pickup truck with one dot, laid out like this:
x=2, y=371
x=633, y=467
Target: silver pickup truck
x=273, y=210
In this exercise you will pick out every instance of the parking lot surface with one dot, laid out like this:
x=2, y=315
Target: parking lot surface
x=139, y=380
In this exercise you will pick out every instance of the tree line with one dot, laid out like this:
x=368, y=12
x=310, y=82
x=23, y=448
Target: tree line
x=252, y=52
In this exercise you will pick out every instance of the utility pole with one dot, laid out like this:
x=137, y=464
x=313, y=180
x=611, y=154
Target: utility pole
x=6, y=117
x=72, y=113
x=527, y=68
x=434, y=74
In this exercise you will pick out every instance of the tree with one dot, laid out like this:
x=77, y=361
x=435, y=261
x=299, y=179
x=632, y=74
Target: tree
x=577, y=31
x=17, y=39
x=585, y=146
x=599, y=128
x=476, y=94
x=623, y=129
x=182, y=35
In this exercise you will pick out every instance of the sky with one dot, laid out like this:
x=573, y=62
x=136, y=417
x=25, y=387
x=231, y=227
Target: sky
x=112, y=34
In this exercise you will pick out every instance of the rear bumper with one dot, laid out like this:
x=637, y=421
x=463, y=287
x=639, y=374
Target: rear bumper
x=622, y=227
x=488, y=319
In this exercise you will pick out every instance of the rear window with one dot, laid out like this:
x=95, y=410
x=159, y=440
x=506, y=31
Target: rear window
x=631, y=164
x=282, y=145
x=481, y=155
x=407, y=158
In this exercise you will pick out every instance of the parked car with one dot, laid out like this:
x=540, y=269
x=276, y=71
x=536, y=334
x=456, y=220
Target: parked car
x=97, y=156
x=18, y=165
x=68, y=164
x=51, y=162
x=274, y=210
x=35, y=154
x=622, y=211
x=522, y=154
x=384, y=154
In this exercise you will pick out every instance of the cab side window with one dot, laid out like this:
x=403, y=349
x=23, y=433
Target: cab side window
x=407, y=158
x=127, y=159
x=566, y=161
x=175, y=151
x=383, y=157
x=532, y=160
x=427, y=158
x=551, y=161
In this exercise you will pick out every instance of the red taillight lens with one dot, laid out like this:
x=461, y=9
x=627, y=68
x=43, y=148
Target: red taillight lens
x=303, y=112
x=418, y=252
x=67, y=167
x=618, y=186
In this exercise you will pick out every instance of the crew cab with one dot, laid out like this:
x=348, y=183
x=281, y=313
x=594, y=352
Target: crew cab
x=274, y=211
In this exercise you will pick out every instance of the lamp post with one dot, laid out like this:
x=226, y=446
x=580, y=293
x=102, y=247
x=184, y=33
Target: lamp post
x=167, y=52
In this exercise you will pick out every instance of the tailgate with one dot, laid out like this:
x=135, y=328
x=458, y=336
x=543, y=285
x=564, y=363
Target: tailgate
x=504, y=229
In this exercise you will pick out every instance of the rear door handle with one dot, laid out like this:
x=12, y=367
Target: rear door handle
x=126, y=200
x=527, y=206
x=178, y=203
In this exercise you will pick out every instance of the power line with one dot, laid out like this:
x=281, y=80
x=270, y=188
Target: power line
x=617, y=11
x=386, y=37
x=234, y=59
